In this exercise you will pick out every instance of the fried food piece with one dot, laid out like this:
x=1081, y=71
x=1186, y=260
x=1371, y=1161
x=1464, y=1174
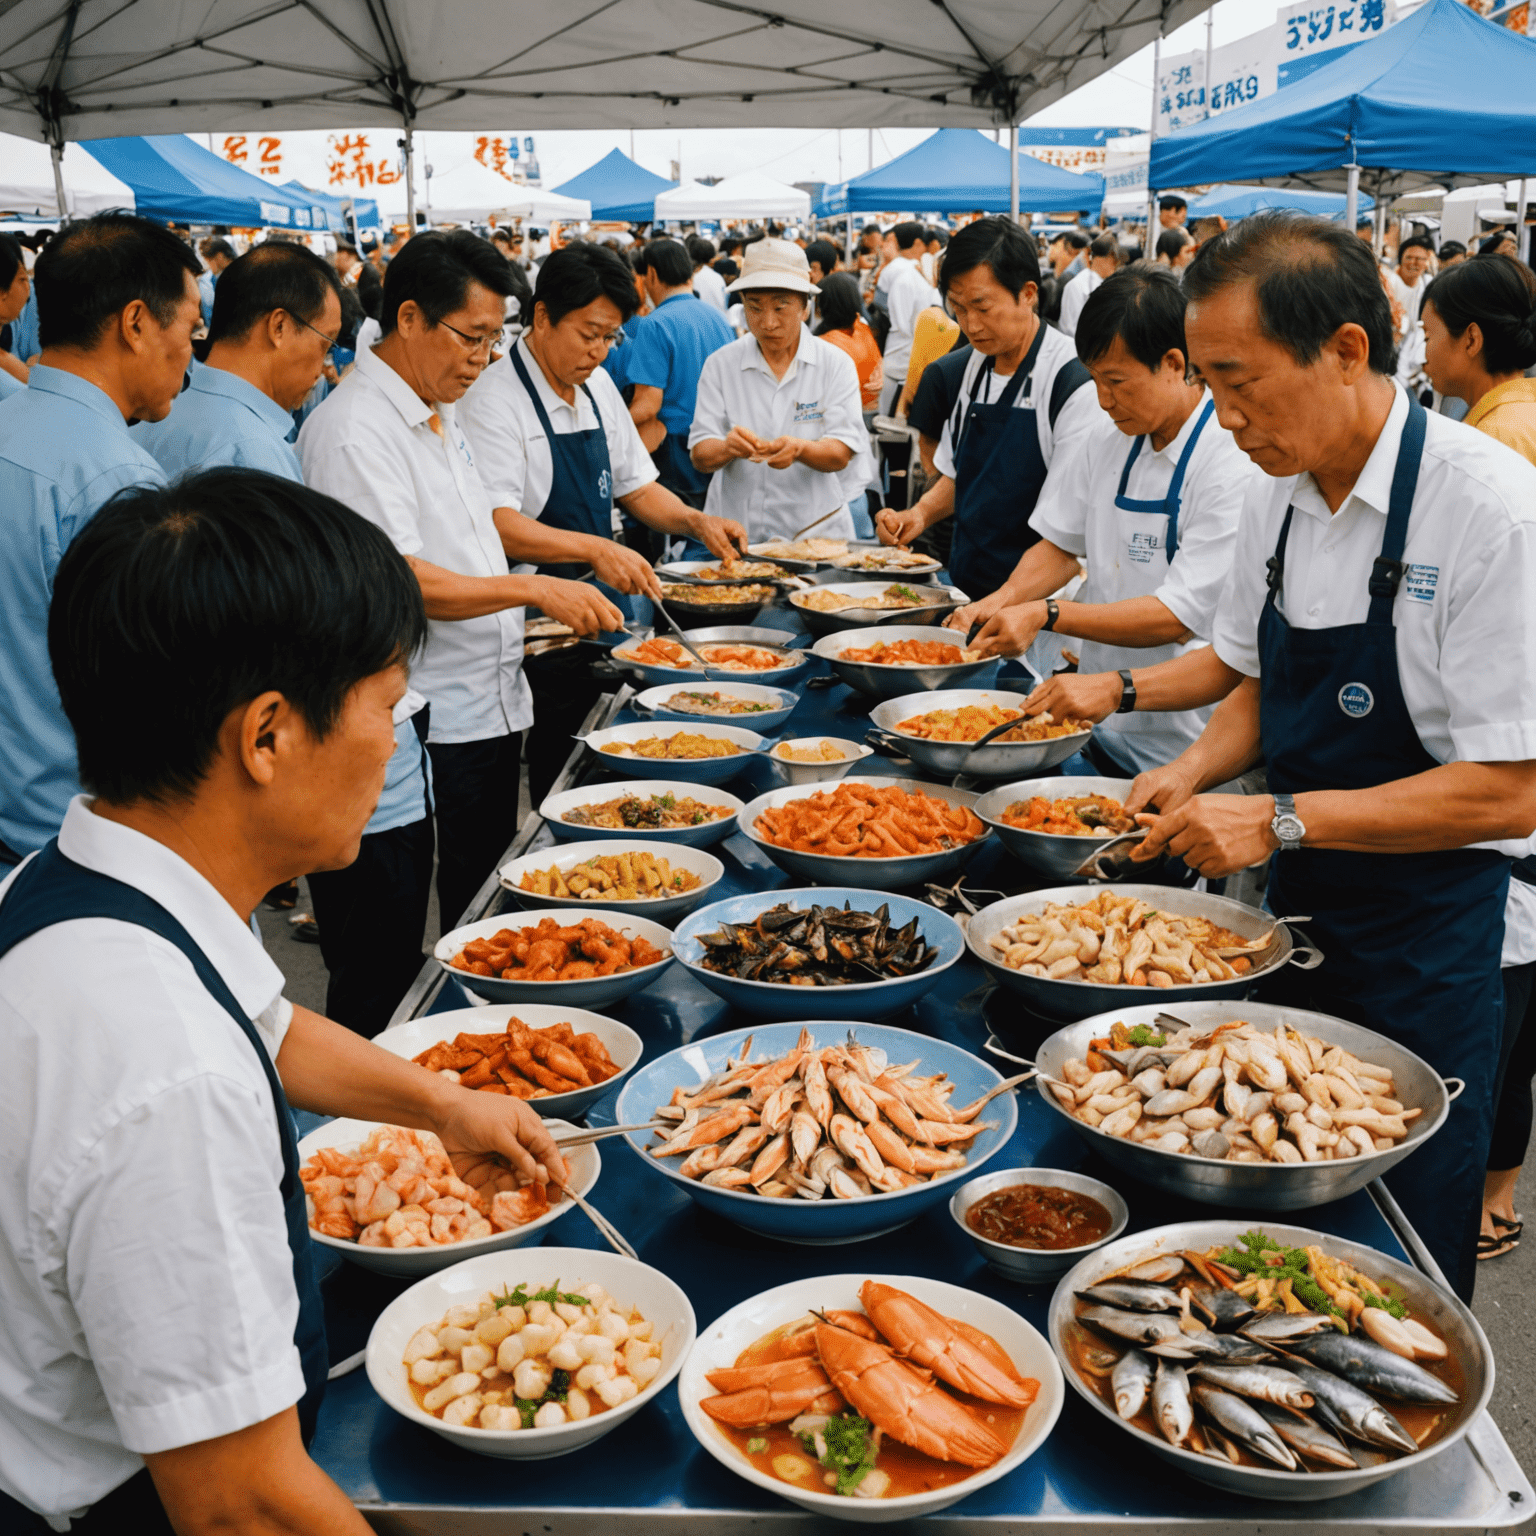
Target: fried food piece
x=523, y=1062
x=687, y=746
x=544, y=952
x=615, y=877
x=909, y=653
x=972, y=721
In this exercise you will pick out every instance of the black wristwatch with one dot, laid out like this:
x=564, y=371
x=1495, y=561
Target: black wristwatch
x=1127, y=694
x=1052, y=613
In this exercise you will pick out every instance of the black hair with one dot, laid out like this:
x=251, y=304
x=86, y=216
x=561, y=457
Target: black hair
x=1144, y=306
x=346, y=248
x=1172, y=200
x=94, y=269
x=1172, y=241
x=1499, y=294
x=1076, y=238
x=176, y=605
x=213, y=247
x=11, y=259
x=941, y=235
x=840, y=305
x=272, y=276
x=435, y=269
x=581, y=273
x=1449, y=248
x=1416, y=243
x=823, y=253
x=908, y=234
x=701, y=251
x=1104, y=245
x=500, y=236
x=998, y=244
x=669, y=260
x=1491, y=245
x=1310, y=276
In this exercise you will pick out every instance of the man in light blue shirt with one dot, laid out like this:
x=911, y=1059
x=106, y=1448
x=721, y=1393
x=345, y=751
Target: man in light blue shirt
x=117, y=304
x=218, y=254
x=275, y=319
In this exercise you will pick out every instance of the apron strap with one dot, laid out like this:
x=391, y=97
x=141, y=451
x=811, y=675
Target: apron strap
x=533, y=395
x=1275, y=566
x=1387, y=571
x=1169, y=505
x=1010, y=392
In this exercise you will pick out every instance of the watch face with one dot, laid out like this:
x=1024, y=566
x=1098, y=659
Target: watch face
x=1289, y=829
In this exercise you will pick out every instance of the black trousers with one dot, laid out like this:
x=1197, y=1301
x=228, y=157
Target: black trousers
x=1512, y=1118
x=131, y=1509
x=474, y=789
x=564, y=690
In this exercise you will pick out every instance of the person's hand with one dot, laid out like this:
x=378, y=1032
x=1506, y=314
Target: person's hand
x=579, y=605
x=1214, y=834
x=897, y=527
x=974, y=613
x=781, y=452
x=497, y=1142
x=742, y=444
x=1076, y=696
x=1163, y=789
x=723, y=537
x=623, y=569
x=1011, y=631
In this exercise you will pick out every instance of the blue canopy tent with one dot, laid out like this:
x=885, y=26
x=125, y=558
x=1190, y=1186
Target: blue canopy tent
x=1236, y=202
x=365, y=211
x=1442, y=98
x=960, y=170
x=618, y=189
x=176, y=179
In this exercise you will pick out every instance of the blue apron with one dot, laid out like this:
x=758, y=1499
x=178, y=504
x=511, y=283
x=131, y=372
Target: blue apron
x=999, y=470
x=1169, y=506
x=1412, y=941
x=54, y=889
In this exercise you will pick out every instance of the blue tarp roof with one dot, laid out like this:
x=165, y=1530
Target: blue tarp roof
x=617, y=188
x=1444, y=94
x=1073, y=138
x=958, y=170
x=1235, y=202
x=174, y=178
x=365, y=210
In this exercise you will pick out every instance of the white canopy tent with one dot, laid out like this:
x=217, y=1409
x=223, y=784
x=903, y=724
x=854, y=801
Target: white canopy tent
x=27, y=189
x=76, y=69
x=752, y=195
x=460, y=190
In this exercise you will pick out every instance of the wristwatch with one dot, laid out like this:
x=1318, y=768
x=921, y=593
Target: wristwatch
x=1127, y=694
x=1287, y=825
x=1052, y=613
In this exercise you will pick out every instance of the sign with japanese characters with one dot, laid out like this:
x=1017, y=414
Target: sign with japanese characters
x=1319, y=26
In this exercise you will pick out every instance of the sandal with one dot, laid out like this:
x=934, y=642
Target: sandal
x=1495, y=1247
x=1509, y=1230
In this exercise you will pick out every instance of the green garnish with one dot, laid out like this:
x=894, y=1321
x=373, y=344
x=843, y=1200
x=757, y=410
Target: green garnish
x=559, y=1386
x=527, y=1408
x=1144, y=1034
x=1386, y=1303
x=756, y=1447
x=905, y=592
x=850, y=1451
x=1292, y=1265
x=521, y=1298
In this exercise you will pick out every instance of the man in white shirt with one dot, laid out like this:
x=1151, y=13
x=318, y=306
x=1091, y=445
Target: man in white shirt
x=387, y=443
x=1376, y=646
x=707, y=283
x=228, y=651
x=559, y=455
x=905, y=293
x=1156, y=520
x=1408, y=282
x=1103, y=262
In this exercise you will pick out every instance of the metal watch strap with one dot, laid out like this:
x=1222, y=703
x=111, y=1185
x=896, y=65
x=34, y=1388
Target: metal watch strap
x=1127, y=693
x=1286, y=824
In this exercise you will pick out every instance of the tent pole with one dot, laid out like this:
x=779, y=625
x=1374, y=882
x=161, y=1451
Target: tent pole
x=1520, y=247
x=1352, y=197
x=1210, y=28
x=848, y=242
x=1013, y=171
x=1157, y=69
x=410, y=183
x=56, y=149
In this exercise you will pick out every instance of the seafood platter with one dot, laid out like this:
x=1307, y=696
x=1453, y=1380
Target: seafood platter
x=657, y=810
x=1052, y=831
x=658, y=880
x=820, y=1132
x=871, y=1398
x=1271, y=1361
x=835, y=605
x=939, y=731
x=891, y=660
x=749, y=704
x=731, y=653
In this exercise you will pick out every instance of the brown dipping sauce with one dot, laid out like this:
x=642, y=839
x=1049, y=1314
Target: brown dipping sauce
x=1039, y=1216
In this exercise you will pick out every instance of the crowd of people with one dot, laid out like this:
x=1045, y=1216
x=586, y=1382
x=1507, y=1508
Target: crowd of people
x=273, y=527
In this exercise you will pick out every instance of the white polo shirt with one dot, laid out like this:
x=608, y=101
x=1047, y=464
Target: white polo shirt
x=908, y=295
x=1465, y=612
x=817, y=397
x=1127, y=556
x=371, y=445
x=511, y=449
x=1074, y=296
x=146, y=1284
x=710, y=286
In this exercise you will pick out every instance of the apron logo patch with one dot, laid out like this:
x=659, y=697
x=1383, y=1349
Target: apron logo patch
x=604, y=485
x=1420, y=581
x=1356, y=700
x=1143, y=547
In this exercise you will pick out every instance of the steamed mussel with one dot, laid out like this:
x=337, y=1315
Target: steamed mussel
x=822, y=947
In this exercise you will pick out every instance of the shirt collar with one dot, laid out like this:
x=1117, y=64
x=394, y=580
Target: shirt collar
x=230, y=386
x=1510, y=392
x=1373, y=487
x=1177, y=443
x=415, y=411
x=551, y=401
x=752, y=359
x=673, y=297
x=56, y=381
x=110, y=848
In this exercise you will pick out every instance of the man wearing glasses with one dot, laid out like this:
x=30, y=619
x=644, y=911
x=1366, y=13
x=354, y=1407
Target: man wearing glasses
x=561, y=457
x=387, y=442
x=276, y=313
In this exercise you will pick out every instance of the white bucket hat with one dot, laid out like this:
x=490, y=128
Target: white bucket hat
x=774, y=264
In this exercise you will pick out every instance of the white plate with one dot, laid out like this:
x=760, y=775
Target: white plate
x=724, y=1339
x=619, y=1040
x=697, y=770
x=566, y=856
x=627, y=1280
x=700, y=836
x=585, y=1167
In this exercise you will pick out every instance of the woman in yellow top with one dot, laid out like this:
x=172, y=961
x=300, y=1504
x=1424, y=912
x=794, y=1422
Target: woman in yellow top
x=844, y=325
x=1479, y=338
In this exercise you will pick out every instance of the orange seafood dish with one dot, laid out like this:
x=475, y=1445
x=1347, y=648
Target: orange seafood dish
x=909, y=653
x=892, y=1400
x=729, y=658
x=1075, y=816
x=556, y=952
x=522, y=1063
x=972, y=721
x=863, y=821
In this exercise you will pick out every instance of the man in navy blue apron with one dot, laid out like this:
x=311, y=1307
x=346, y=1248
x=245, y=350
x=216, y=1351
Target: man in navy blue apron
x=1022, y=407
x=228, y=653
x=1377, y=632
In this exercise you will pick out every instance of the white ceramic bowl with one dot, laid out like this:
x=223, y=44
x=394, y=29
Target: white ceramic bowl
x=937, y=602
x=854, y=752
x=555, y=807
x=585, y=1164
x=626, y=1280
x=619, y=1040
x=724, y=1339
x=695, y=770
x=596, y=989
x=566, y=856
x=771, y=706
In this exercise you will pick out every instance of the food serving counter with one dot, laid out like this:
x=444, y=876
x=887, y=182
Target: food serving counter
x=650, y=1474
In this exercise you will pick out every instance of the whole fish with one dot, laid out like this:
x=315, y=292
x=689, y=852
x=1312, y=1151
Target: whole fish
x=1308, y=1436
x=1130, y=1297
x=1278, y=1327
x=1171, y=1406
x=1268, y=1382
x=1345, y=1409
x=1232, y=1348
x=1364, y=1363
x=1145, y=1328
x=1130, y=1381
x=1226, y=1309
x=1243, y=1422
x=1159, y=1271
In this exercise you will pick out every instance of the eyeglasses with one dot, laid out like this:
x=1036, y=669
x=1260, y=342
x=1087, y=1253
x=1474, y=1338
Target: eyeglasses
x=476, y=344
x=330, y=341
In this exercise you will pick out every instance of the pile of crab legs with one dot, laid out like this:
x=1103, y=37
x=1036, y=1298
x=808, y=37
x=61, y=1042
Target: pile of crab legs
x=881, y=1362
x=840, y=1119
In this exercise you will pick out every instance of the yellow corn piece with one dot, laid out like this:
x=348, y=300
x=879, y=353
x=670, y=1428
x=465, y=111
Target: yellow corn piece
x=626, y=873
x=577, y=884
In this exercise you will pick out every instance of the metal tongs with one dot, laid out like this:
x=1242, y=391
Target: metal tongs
x=1112, y=860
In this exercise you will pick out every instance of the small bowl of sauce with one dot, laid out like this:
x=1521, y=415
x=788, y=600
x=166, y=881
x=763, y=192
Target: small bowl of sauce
x=1033, y=1224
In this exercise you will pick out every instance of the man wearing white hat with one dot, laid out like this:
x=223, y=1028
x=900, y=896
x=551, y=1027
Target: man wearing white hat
x=778, y=420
